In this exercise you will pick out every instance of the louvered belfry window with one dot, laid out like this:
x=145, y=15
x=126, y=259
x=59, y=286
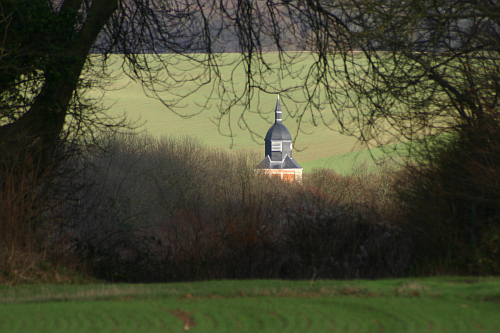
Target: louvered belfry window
x=276, y=146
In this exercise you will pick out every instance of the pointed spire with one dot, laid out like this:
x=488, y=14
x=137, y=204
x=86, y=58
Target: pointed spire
x=278, y=112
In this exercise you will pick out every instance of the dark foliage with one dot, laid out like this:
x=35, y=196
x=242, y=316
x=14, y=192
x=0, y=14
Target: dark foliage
x=452, y=201
x=174, y=210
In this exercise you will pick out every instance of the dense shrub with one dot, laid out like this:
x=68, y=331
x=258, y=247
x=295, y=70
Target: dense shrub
x=34, y=236
x=142, y=209
x=172, y=210
x=19, y=217
x=368, y=191
x=451, y=201
x=346, y=243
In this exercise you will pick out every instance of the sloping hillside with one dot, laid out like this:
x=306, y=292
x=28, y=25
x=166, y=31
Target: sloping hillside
x=314, y=147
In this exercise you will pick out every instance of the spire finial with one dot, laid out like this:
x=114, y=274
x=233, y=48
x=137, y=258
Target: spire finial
x=277, y=111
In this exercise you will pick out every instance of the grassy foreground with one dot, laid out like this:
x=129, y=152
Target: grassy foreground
x=402, y=305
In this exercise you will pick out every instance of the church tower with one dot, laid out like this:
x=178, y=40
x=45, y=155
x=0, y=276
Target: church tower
x=278, y=159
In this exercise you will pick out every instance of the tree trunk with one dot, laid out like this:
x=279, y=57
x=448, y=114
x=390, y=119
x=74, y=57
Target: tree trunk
x=35, y=136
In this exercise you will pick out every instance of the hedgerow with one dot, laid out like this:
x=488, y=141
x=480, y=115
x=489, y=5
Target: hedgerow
x=175, y=210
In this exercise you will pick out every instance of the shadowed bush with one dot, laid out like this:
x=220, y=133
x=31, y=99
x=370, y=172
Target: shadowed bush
x=452, y=202
x=174, y=210
x=34, y=237
x=344, y=243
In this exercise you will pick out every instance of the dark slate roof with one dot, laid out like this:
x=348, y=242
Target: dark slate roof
x=265, y=164
x=278, y=105
x=278, y=132
x=288, y=163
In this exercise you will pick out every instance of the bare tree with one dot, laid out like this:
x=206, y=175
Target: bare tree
x=410, y=69
x=388, y=70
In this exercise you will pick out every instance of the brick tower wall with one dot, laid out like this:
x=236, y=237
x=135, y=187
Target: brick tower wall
x=287, y=175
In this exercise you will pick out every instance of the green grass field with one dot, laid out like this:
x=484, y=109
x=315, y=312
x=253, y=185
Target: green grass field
x=399, y=305
x=316, y=146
